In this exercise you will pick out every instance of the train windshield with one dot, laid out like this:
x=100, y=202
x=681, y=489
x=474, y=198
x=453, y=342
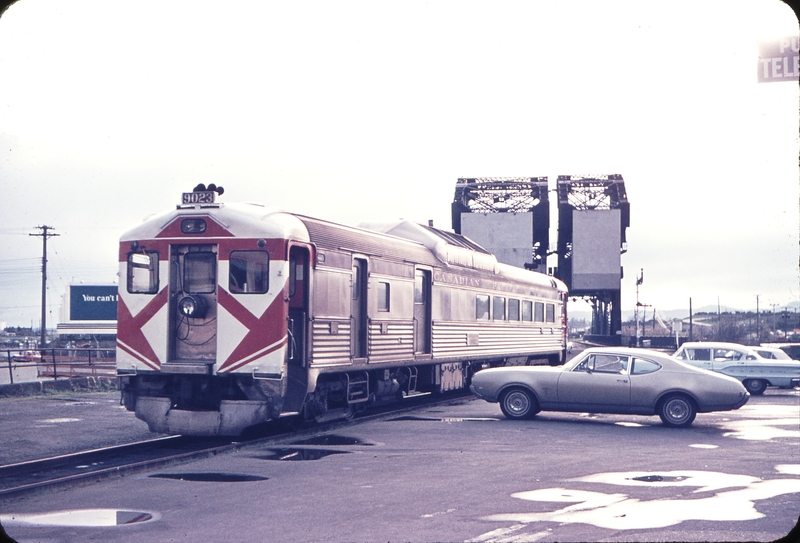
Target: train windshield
x=199, y=272
x=143, y=272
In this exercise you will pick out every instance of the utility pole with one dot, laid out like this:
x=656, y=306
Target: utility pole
x=44, y=234
x=774, y=321
x=758, y=323
x=639, y=281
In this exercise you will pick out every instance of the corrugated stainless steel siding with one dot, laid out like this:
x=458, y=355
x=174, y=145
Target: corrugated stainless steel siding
x=453, y=339
x=327, y=347
x=396, y=344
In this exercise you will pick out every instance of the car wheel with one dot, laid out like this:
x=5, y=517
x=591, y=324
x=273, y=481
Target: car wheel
x=677, y=410
x=519, y=403
x=755, y=387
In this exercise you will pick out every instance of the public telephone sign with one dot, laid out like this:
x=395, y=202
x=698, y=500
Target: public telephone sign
x=779, y=60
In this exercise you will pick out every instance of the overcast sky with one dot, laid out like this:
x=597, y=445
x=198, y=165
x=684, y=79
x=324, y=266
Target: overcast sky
x=364, y=110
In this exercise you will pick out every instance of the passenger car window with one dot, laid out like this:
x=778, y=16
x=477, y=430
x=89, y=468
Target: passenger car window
x=383, y=296
x=482, y=307
x=419, y=288
x=296, y=274
x=527, y=310
x=642, y=366
x=249, y=272
x=499, y=308
x=538, y=312
x=356, y=282
x=513, y=309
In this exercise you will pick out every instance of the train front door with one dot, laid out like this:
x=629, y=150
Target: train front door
x=298, y=296
x=193, y=304
x=422, y=312
x=358, y=309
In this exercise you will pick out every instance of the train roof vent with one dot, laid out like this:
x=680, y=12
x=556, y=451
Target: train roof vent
x=447, y=246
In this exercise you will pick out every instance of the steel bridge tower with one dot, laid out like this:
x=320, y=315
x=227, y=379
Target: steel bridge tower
x=508, y=216
x=593, y=214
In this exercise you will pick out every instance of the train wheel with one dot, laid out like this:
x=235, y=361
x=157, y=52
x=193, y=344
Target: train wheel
x=677, y=410
x=519, y=403
x=756, y=387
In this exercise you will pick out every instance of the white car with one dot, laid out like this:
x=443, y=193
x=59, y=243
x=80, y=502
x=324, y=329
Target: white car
x=754, y=370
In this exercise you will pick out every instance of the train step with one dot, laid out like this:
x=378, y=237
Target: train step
x=357, y=387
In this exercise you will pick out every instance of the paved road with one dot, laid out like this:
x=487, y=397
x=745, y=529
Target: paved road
x=461, y=472
x=50, y=425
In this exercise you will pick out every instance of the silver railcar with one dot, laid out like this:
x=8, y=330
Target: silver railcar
x=232, y=315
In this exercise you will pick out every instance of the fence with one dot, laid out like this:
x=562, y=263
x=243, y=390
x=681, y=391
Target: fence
x=28, y=365
x=664, y=343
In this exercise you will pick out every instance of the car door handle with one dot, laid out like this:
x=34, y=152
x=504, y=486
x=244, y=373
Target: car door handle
x=622, y=380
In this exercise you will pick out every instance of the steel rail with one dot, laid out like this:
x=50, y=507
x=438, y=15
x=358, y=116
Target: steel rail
x=29, y=477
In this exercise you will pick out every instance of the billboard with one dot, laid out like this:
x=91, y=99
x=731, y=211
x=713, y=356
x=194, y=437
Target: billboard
x=779, y=60
x=596, y=241
x=93, y=302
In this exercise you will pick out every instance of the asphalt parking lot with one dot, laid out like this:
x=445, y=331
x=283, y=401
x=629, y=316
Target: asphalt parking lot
x=458, y=472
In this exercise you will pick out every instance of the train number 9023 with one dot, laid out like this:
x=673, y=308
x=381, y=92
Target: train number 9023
x=199, y=197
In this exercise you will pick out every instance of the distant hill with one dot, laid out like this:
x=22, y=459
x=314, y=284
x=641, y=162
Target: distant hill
x=669, y=314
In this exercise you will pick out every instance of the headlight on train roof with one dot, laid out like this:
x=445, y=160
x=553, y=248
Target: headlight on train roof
x=193, y=226
x=193, y=307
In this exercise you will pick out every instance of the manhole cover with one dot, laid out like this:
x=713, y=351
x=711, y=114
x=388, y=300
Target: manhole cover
x=211, y=477
x=331, y=439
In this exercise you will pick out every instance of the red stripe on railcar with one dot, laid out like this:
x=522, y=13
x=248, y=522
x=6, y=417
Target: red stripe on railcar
x=263, y=332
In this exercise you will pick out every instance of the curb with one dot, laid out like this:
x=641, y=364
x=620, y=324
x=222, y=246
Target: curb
x=70, y=384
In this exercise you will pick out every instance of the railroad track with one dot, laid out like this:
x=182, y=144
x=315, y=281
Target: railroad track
x=87, y=467
x=37, y=476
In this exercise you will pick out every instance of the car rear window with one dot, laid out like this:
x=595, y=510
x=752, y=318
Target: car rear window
x=642, y=366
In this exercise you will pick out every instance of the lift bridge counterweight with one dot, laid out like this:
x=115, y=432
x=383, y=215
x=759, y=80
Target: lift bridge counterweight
x=509, y=216
x=593, y=214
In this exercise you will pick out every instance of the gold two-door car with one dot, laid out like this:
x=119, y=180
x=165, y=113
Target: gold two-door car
x=611, y=380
